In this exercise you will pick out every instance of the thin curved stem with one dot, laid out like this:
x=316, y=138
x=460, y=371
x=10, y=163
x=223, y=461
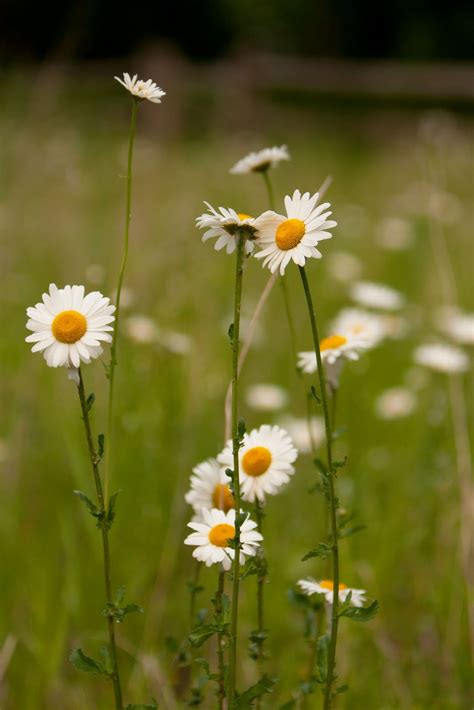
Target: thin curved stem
x=220, y=643
x=113, y=348
x=94, y=459
x=328, y=691
x=261, y=578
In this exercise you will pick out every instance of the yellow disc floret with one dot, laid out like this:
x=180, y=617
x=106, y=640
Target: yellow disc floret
x=333, y=342
x=256, y=461
x=289, y=234
x=222, y=498
x=242, y=216
x=69, y=326
x=329, y=585
x=220, y=535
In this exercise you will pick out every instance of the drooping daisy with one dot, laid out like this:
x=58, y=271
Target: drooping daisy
x=69, y=327
x=209, y=488
x=326, y=588
x=212, y=536
x=265, y=458
x=442, y=358
x=376, y=295
x=261, y=161
x=294, y=237
x=142, y=89
x=225, y=224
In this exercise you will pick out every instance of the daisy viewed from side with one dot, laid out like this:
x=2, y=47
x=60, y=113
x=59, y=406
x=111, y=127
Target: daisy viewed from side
x=326, y=588
x=294, y=237
x=68, y=327
x=261, y=161
x=142, y=89
x=209, y=488
x=212, y=536
x=266, y=461
x=225, y=225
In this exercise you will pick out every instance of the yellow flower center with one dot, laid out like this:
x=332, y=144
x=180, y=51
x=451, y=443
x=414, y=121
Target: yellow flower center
x=222, y=497
x=256, y=461
x=329, y=584
x=242, y=215
x=69, y=326
x=289, y=234
x=333, y=342
x=220, y=535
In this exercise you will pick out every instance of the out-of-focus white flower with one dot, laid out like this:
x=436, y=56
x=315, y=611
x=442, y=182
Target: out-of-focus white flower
x=142, y=329
x=261, y=161
x=442, y=358
x=177, y=343
x=142, y=89
x=395, y=326
x=344, y=266
x=376, y=295
x=225, y=225
x=326, y=587
x=457, y=325
x=95, y=274
x=395, y=403
x=266, y=397
x=301, y=434
x=394, y=234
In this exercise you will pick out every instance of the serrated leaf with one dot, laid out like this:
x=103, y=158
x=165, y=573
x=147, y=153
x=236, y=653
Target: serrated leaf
x=322, y=550
x=245, y=700
x=131, y=609
x=111, y=512
x=91, y=507
x=86, y=664
x=201, y=634
x=360, y=613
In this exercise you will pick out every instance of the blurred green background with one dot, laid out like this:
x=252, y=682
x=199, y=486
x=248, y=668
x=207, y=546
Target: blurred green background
x=62, y=157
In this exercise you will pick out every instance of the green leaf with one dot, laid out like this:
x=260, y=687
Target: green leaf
x=241, y=429
x=90, y=402
x=245, y=700
x=339, y=464
x=101, y=446
x=322, y=550
x=321, y=466
x=111, y=512
x=230, y=333
x=91, y=507
x=108, y=665
x=315, y=395
x=364, y=613
x=86, y=664
x=322, y=653
x=201, y=634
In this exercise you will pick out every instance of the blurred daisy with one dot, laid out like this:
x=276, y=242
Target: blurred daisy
x=261, y=161
x=442, y=358
x=68, y=327
x=266, y=397
x=294, y=237
x=395, y=403
x=266, y=459
x=142, y=89
x=302, y=435
x=326, y=588
x=177, y=343
x=209, y=488
x=225, y=225
x=212, y=536
x=394, y=234
x=344, y=266
x=142, y=329
x=457, y=325
x=376, y=295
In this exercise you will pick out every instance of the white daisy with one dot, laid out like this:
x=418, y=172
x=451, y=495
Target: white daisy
x=294, y=237
x=266, y=397
x=265, y=458
x=212, y=536
x=457, y=325
x=209, y=488
x=69, y=327
x=225, y=224
x=442, y=358
x=376, y=295
x=142, y=329
x=395, y=403
x=261, y=161
x=326, y=588
x=142, y=89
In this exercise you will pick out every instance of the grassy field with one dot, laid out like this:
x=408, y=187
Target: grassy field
x=61, y=213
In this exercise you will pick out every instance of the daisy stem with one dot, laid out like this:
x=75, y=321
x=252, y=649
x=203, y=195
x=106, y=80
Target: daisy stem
x=239, y=262
x=118, y=293
x=268, y=184
x=261, y=577
x=220, y=646
x=105, y=540
x=194, y=591
x=328, y=691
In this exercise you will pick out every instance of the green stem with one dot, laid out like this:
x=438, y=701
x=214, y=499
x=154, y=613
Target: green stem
x=334, y=408
x=269, y=187
x=262, y=574
x=220, y=646
x=328, y=691
x=235, y=455
x=105, y=541
x=113, y=349
x=194, y=591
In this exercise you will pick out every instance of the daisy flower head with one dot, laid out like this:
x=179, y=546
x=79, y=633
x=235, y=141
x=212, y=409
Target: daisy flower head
x=293, y=237
x=442, y=358
x=212, y=538
x=326, y=588
x=457, y=325
x=209, y=488
x=261, y=161
x=141, y=89
x=265, y=461
x=226, y=224
x=69, y=327
x=376, y=295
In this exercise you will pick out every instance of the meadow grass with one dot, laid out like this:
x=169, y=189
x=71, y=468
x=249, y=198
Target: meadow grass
x=63, y=166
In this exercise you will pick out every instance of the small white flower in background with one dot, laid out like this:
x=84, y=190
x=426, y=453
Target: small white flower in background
x=266, y=461
x=395, y=326
x=266, y=397
x=394, y=234
x=300, y=433
x=142, y=89
x=395, y=403
x=457, y=325
x=261, y=161
x=142, y=329
x=294, y=237
x=442, y=358
x=225, y=225
x=177, y=343
x=376, y=295
x=344, y=266
x=95, y=274
x=326, y=588
x=209, y=488
x=68, y=327
x=212, y=536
